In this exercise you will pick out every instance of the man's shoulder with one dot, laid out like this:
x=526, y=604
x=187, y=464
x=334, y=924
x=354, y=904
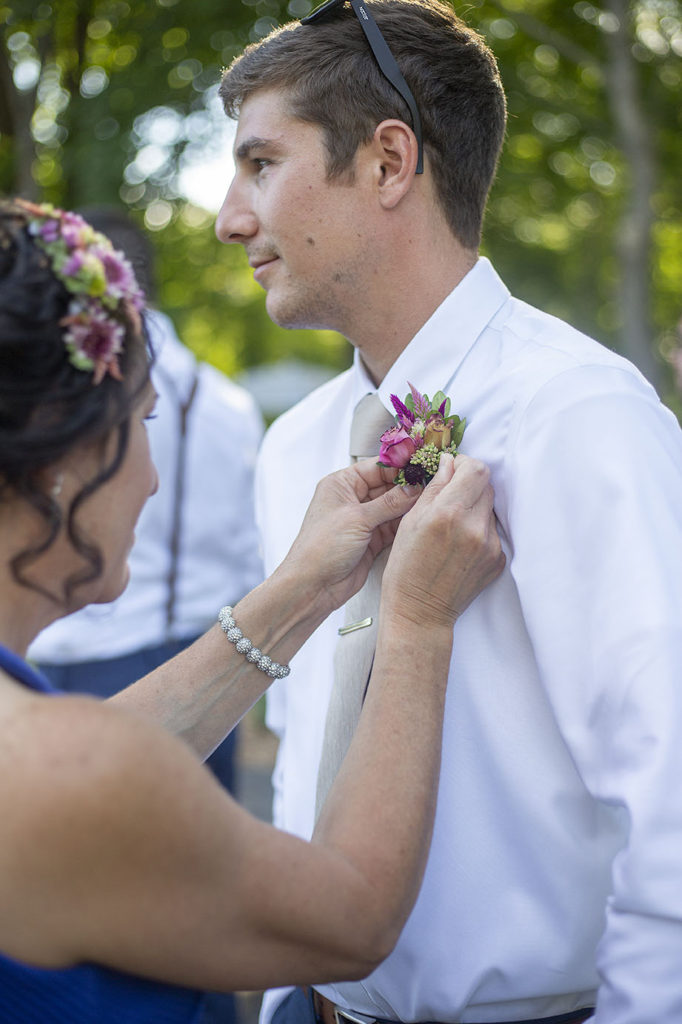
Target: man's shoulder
x=223, y=397
x=537, y=349
x=181, y=378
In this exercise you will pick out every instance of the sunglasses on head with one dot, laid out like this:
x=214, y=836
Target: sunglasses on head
x=384, y=58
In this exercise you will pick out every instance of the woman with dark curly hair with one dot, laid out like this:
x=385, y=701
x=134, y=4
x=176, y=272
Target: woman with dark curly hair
x=129, y=879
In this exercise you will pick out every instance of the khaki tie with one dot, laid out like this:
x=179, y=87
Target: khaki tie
x=355, y=648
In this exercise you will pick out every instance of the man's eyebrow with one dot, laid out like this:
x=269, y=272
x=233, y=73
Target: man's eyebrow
x=252, y=145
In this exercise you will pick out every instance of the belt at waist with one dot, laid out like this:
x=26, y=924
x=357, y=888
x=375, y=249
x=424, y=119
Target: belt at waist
x=328, y=1012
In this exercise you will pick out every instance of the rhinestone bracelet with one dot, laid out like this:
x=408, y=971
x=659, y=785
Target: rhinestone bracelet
x=245, y=647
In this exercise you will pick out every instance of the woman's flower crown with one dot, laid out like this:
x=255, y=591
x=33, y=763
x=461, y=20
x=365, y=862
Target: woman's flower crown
x=424, y=430
x=101, y=280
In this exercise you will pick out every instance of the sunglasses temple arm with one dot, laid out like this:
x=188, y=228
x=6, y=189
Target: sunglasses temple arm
x=385, y=60
x=389, y=68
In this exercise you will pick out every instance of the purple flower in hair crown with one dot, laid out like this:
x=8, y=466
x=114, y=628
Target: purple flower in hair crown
x=425, y=428
x=106, y=296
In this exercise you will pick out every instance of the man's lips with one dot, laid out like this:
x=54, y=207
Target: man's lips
x=260, y=266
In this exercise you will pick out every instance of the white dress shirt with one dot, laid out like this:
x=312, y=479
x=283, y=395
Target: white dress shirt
x=555, y=873
x=218, y=557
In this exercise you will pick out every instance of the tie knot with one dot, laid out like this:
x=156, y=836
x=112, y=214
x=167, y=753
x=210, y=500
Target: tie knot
x=370, y=420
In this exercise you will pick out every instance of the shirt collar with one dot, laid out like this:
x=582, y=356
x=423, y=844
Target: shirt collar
x=438, y=349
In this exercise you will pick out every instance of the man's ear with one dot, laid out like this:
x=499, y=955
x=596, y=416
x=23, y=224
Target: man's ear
x=395, y=152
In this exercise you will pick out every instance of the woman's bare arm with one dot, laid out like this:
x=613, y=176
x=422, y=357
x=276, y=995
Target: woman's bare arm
x=203, y=692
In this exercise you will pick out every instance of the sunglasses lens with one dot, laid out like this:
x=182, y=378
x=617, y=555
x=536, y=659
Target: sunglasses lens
x=319, y=12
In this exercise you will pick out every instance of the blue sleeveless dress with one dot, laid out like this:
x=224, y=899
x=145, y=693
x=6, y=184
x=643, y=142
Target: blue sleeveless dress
x=86, y=994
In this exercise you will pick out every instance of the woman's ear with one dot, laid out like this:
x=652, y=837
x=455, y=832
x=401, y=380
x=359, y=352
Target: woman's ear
x=395, y=150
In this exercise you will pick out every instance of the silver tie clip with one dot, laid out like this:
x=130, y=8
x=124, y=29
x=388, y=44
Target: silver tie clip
x=351, y=627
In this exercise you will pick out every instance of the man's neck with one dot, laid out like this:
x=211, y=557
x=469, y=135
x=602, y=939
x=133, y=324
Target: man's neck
x=412, y=302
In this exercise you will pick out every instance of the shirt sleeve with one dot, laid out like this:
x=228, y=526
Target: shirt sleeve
x=247, y=534
x=595, y=514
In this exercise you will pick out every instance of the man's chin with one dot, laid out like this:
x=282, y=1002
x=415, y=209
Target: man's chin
x=295, y=317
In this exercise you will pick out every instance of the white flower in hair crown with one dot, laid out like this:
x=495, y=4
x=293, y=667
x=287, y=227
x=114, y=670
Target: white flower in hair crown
x=424, y=429
x=105, y=292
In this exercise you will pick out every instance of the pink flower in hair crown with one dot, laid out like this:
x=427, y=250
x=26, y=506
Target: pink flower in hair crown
x=93, y=340
x=106, y=295
x=424, y=429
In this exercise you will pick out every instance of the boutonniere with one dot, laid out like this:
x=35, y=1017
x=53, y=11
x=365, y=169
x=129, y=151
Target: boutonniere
x=424, y=429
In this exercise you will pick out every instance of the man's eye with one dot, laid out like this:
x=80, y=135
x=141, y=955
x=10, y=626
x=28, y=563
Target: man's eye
x=260, y=163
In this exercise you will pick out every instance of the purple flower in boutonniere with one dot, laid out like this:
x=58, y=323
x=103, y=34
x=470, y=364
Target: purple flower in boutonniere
x=424, y=429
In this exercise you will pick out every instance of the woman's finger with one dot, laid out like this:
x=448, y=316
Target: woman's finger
x=462, y=480
x=391, y=505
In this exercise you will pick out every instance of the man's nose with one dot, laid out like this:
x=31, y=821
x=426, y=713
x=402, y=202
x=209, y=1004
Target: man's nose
x=236, y=222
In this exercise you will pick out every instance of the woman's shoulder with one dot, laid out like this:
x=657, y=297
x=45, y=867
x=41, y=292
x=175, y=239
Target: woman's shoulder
x=62, y=752
x=62, y=739
x=79, y=780
x=75, y=755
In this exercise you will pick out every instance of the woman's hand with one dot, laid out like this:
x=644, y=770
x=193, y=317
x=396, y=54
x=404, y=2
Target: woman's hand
x=354, y=514
x=446, y=548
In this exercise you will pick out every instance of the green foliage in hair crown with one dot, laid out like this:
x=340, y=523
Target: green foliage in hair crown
x=106, y=295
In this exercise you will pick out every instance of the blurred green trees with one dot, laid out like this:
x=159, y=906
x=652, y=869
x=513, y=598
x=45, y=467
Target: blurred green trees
x=589, y=186
x=105, y=101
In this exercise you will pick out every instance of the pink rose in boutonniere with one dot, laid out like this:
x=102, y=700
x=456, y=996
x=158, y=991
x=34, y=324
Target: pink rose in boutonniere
x=397, y=447
x=424, y=429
